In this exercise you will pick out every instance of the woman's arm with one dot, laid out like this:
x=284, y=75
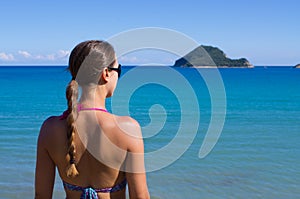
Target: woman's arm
x=137, y=186
x=45, y=167
x=135, y=168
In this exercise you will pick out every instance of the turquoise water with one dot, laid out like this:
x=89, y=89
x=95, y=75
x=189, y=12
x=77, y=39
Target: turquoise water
x=256, y=156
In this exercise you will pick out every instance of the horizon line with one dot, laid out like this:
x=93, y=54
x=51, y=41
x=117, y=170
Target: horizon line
x=126, y=65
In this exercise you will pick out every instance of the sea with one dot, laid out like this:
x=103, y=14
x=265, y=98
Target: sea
x=208, y=133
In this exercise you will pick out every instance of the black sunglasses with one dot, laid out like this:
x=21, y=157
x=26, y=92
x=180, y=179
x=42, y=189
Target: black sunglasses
x=116, y=69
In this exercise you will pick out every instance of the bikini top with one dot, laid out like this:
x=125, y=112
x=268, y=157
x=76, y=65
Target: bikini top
x=89, y=192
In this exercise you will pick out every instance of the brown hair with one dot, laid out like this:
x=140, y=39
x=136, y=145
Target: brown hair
x=90, y=57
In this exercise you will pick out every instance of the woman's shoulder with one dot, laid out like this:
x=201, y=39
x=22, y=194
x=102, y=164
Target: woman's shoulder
x=52, y=122
x=128, y=125
x=130, y=132
x=127, y=120
x=51, y=127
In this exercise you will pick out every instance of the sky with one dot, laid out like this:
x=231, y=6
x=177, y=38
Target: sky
x=266, y=32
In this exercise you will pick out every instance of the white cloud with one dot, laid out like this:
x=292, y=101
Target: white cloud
x=39, y=57
x=6, y=57
x=25, y=54
x=25, y=57
x=60, y=55
x=50, y=57
x=63, y=53
x=129, y=59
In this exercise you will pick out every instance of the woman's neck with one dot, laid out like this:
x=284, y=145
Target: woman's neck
x=92, y=98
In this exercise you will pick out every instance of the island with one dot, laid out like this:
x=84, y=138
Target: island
x=209, y=57
x=297, y=66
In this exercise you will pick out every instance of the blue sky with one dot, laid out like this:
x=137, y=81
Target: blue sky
x=266, y=32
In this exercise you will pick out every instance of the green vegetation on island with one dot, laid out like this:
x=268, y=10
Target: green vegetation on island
x=209, y=56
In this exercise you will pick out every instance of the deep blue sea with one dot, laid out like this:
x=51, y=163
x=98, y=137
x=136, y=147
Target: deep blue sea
x=257, y=154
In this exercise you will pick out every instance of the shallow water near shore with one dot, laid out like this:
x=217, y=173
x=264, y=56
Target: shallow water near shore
x=256, y=156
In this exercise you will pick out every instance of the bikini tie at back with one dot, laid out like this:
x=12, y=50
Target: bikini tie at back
x=91, y=193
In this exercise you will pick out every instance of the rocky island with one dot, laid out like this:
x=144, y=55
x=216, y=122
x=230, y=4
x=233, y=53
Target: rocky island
x=208, y=57
x=297, y=66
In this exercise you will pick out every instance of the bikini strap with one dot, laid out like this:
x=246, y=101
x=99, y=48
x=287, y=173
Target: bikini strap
x=81, y=108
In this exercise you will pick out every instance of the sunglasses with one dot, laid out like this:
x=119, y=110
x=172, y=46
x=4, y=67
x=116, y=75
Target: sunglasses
x=118, y=70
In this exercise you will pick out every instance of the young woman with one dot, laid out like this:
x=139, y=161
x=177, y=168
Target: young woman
x=96, y=153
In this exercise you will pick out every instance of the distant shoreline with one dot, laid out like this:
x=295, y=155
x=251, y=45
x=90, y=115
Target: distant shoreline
x=217, y=67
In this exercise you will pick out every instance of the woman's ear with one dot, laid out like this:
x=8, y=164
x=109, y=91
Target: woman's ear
x=105, y=74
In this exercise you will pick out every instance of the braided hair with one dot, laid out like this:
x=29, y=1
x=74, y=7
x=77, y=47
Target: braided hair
x=90, y=57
